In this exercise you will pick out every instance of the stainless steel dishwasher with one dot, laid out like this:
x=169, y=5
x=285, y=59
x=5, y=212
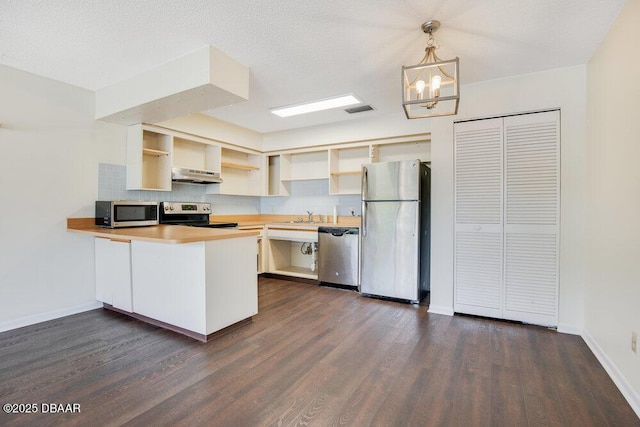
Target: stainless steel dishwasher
x=338, y=255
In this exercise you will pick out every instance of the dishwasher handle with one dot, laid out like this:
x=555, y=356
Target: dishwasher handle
x=337, y=231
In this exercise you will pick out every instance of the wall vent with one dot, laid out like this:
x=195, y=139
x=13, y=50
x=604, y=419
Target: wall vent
x=359, y=109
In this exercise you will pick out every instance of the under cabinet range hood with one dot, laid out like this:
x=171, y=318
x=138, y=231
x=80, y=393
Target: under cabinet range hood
x=195, y=176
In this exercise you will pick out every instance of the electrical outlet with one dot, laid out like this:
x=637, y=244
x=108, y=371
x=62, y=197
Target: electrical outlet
x=634, y=342
x=353, y=211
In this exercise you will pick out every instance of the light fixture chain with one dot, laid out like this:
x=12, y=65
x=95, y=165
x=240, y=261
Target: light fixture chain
x=432, y=42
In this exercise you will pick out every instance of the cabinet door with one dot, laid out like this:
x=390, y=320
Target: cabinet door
x=113, y=273
x=532, y=213
x=478, y=218
x=170, y=283
x=507, y=217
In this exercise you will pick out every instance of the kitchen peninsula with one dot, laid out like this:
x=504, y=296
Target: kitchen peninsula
x=190, y=280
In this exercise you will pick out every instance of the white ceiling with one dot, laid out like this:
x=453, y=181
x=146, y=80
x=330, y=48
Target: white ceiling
x=299, y=50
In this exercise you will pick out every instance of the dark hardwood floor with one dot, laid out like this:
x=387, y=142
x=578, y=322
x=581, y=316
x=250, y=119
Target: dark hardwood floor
x=313, y=355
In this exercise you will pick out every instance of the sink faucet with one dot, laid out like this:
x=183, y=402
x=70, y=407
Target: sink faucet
x=310, y=215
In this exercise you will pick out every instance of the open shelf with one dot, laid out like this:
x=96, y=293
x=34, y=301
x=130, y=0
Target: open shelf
x=240, y=166
x=345, y=165
x=341, y=173
x=152, y=152
x=195, y=155
x=240, y=172
x=311, y=178
x=285, y=257
x=304, y=166
x=149, y=157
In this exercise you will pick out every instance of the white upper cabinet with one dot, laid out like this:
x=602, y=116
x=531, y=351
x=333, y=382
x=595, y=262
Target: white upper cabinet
x=284, y=168
x=195, y=155
x=240, y=173
x=345, y=163
x=148, y=159
x=345, y=168
x=152, y=152
x=341, y=164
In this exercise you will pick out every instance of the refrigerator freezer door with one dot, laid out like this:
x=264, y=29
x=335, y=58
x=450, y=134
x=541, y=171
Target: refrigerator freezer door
x=390, y=250
x=391, y=181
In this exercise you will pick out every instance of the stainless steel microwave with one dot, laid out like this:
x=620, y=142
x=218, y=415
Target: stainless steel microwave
x=126, y=213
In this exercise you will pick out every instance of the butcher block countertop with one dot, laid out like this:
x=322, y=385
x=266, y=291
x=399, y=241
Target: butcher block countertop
x=286, y=221
x=158, y=233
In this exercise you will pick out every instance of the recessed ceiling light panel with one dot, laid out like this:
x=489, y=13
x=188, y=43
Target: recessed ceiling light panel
x=319, y=105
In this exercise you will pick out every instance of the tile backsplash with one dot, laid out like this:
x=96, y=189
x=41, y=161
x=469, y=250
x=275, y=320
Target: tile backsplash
x=312, y=195
x=112, y=185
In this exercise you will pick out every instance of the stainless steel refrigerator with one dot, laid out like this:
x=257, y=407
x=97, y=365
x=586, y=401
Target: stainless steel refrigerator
x=395, y=230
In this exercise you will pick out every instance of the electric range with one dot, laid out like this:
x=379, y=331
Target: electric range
x=194, y=214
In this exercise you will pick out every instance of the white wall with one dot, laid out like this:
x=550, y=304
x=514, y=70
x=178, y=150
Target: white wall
x=563, y=88
x=50, y=146
x=363, y=129
x=612, y=309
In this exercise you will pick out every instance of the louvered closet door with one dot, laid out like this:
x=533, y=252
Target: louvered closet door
x=478, y=218
x=532, y=213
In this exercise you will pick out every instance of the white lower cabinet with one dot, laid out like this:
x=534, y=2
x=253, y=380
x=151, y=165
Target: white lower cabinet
x=285, y=253
x=113, y=273
x=202, y=287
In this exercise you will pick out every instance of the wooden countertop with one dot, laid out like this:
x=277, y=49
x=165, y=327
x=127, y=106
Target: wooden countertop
x=159, y=233
x=295, y=226
x=282, y=220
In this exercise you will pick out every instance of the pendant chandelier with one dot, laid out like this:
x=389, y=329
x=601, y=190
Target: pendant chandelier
x=431, y=88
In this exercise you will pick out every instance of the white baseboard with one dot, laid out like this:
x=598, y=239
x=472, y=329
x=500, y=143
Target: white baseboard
x=447, y=311
x=50, y=315
x=632, y=396
x=569, y=329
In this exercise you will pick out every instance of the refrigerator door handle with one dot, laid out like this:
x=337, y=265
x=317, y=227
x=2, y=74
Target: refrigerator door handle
x=364, y=218
x=365, y=193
